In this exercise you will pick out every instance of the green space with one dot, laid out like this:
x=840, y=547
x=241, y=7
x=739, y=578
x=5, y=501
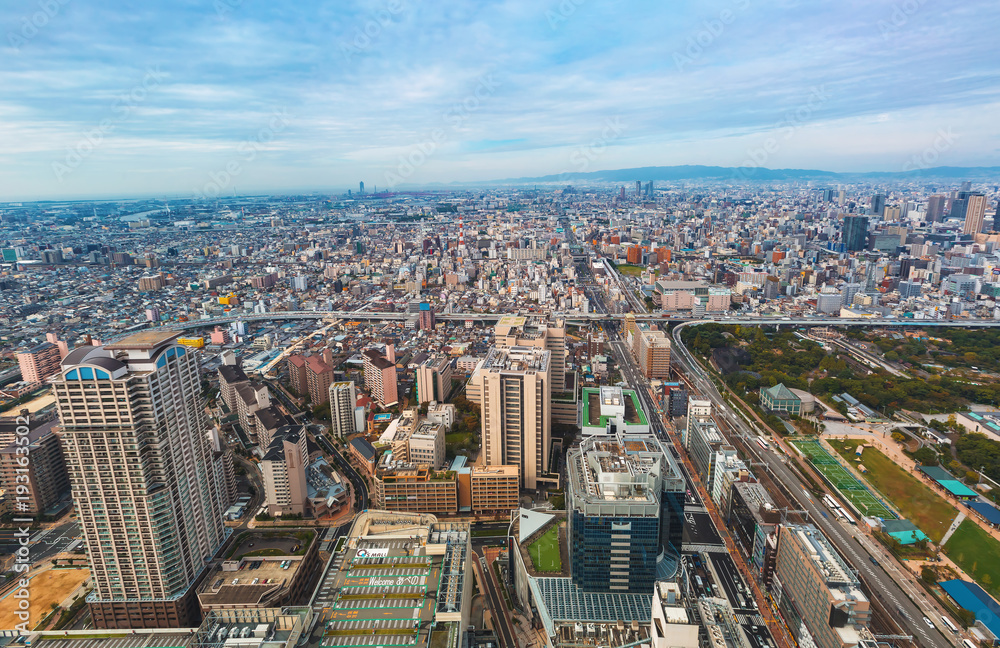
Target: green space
x=263, y=552
x=977, y=553
x=918, y=503
x=630, y=270
x=843, y=480
x=544, y=552
x=951, y=347
x=489, y=532
x=763, y=358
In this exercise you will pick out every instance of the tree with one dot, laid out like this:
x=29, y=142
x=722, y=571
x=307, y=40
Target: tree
x=928, y=575
x=898, y=437
x=971, y=476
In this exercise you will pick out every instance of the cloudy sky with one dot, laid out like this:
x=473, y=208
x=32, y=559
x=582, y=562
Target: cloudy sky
x=196, y=97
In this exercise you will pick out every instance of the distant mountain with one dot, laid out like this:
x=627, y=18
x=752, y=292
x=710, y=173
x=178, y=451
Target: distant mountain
x=698, y=172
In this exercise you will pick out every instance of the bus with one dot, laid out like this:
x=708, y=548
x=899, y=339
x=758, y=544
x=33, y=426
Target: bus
x=947, y=622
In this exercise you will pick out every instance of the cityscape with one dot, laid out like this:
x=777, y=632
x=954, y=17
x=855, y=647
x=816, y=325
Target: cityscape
x=593, y=325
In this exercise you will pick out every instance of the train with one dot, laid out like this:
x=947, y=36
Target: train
x=762, y=442
x=947, y=622
x=838, y=510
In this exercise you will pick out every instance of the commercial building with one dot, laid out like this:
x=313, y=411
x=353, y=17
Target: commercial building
x=855, y=236
x=624, y=503
x=518, y=331
x=703, y=440
x=654, y=354
x=609, y=410
x=148, y=491
x=754, y=521
x=343, y=403
x=434, y=379
x=39, y=362
x=817, y=593
x=284, y=469
x=409, y=554
x=670, y=623
x=514, y=385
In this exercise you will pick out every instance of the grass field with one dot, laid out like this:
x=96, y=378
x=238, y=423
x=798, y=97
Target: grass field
x=845, y=481
x=545, y=552
x=52, y=586
x=630, y=270
x=918, y=503
x=977, y=553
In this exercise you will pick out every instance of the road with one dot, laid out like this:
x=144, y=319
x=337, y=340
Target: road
x=501, y=618
x=47, y=543
x=877, y=580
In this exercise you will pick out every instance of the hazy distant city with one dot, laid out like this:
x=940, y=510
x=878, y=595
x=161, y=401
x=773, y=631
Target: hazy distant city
x=499, y=325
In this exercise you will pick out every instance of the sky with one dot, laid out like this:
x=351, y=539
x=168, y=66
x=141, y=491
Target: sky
x=196, y=98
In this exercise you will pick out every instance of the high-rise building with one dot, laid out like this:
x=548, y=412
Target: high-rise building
x=935, y=208
x=284, y=469
x=44, y=475
x=434, y=379
x=515, y=330
x=427, y=317
x=654, y=354
x=39, y=362
x=878, y=204
x=975, y=213
x=380, y=378
x=319, y=375
x=624, y=503
x=855, y=233
x=361, y=188
x=148, y=491
x=818, y=593
x=516, y=393
x=343, y=401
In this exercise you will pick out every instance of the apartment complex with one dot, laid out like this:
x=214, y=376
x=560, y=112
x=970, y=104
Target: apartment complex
x=284, y=468
x=434, y=379
x=380, y=378
x=343, y=401
x=653, y=353
x=417, y=488
x=39, y=362
x=518, y=331
x=45, y=475
x=148, y=490
x=514, y=390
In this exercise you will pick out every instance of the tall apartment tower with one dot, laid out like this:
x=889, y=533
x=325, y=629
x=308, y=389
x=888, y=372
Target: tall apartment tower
x=515, y=330
x=39, y=362
x=434, y=379
x=148, y=491
x=935, y=208
x=516, y=394
x=284, y=469
x=855, y=233
x=975, y=213
x=343, y=400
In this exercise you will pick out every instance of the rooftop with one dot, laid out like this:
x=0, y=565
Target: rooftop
x=145, y=340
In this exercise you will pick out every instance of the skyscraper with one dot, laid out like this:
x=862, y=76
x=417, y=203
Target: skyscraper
x=935, y=208
x=975, y=212
x=878, y=204
x=855, y=233
x=516, y=393
x=149, y=493
x=434, y=379
x=361, y=189
x=343, y=401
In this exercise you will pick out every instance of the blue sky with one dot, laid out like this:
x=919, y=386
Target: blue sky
x=184, y=98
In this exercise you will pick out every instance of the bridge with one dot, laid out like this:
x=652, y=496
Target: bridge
x=583, y=318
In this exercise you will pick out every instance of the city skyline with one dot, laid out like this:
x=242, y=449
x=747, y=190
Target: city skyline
x=226, y=97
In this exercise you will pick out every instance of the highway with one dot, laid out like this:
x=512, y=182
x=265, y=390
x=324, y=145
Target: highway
x=877, y=580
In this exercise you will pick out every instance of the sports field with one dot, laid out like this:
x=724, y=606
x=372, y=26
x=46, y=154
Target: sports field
x=977, y=553
x=844, y=480
x=919, y=504
x=545, y=551
x=52, y=586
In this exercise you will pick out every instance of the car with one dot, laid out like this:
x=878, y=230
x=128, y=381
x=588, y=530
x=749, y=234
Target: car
x=874, y=562
x=928, y=622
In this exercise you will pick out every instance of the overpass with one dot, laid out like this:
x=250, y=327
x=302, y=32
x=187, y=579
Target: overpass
x=583, y=318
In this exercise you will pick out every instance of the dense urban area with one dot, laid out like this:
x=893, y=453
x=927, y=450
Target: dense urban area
x=656, y=414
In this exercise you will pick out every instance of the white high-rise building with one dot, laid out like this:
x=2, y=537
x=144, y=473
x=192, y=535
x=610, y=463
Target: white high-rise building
x=343, y=400
x=149, y=493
